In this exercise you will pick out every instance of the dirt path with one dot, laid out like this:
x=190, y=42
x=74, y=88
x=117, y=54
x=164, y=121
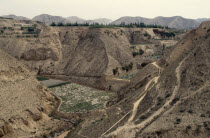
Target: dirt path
x=156, y=65
x=64, y=134
x=136, y=104
x=117, y=79
x=116, y=123
x=129, y=130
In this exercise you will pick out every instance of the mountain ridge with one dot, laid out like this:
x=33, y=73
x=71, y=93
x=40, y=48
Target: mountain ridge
x=177, y=22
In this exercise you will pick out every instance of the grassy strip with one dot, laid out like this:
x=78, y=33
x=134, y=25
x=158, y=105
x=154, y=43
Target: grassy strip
x=41, y=78
x=58, y=85
x=133, y=44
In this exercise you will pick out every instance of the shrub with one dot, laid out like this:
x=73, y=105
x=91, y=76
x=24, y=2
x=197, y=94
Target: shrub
x=60, y=24
x=167, y=95
x=135, y=54
x=208, y=30
x=144, y=64
x=128, y=67
x=182, y=111
x=190, y=111
x=53, y=24
x=141, y=52
x=115, y=71
x=188, y=127
x=178, y=121
x=174, y=100
x=143, y=117
x=202, y=115
x=198, y=130
x=146, y=34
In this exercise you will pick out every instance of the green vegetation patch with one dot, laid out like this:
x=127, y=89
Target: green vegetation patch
x=79, y=98
x=58, y=85
x=41, y=78
x=96, y=25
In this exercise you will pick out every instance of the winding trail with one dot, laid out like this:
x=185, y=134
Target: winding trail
x=129, y=129
x=136, y=104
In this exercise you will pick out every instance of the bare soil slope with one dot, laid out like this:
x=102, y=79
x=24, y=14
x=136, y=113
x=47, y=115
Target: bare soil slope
x=25, y=103
x=81, y=54
x=166, y=99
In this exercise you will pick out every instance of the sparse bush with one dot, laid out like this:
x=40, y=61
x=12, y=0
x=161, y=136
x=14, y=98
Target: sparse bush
x=147, y=35
x=174, y=100
x=53, y=24
x=188, y=127
x=178, y=121
x=202, y=115
x=128, y=67
x=143, y=117
x=135, y=54
x=208, y=30
x=160, y=100
x=115, y=71
x=190, y=111
x=60, y=24
x=144, y=64
x=167, y=95
x=198, y=130
x=141, y=52
x=163, y=33
x=182, y=111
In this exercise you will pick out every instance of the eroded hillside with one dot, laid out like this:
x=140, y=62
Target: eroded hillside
x=25, y=103
x=91, y=56
x=169, y=98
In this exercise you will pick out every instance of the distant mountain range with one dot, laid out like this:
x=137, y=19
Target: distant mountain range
x=200, y=20
x=173, y=22
x=48, y=19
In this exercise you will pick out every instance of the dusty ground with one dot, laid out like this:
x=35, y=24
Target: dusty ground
x=25, y=103
x=176, y=101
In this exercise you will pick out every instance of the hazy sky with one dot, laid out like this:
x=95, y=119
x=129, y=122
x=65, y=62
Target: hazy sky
x=113, y=9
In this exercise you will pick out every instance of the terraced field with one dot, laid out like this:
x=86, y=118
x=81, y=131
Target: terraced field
x=79, y=98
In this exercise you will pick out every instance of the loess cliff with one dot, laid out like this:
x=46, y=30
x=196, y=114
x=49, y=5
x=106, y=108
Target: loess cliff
x=169, y=98
x=25, y=104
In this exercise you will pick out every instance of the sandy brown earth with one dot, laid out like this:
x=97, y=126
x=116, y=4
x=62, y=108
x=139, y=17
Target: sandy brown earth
x=168, y=98
x=25, y=104
x=82, y=54
x=176, y=103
